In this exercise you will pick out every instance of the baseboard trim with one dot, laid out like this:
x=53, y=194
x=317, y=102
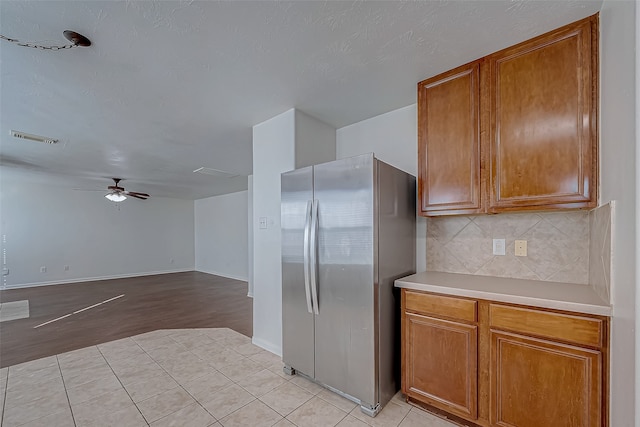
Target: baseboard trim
x=277, y=350
x=94, y=279
x=218, y=273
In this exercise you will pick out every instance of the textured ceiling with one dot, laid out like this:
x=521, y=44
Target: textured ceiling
x=170, y=86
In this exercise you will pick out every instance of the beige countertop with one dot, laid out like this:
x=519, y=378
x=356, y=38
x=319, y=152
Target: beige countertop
x=554, y=295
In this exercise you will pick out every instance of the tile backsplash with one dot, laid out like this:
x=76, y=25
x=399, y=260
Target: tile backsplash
x=600, y=250
x=558, y=245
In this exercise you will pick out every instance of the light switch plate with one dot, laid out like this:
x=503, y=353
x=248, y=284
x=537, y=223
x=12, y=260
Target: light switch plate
x=498, y=247
x=521, y=248
x=263, y=222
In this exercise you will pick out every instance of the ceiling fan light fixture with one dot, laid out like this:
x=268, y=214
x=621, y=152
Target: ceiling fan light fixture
x=116, y=197
x=76, y=38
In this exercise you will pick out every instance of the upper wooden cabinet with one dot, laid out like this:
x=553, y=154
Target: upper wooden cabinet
x=543, y=142
x=516, y=130
x=449, y=119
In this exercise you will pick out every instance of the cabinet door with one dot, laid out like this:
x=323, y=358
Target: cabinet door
x=541, y=383
x=449, y=142
x=440, y=364
x=543, y=136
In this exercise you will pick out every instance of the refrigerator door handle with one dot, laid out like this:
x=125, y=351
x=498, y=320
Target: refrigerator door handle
x=314, y=257
x=307, y=230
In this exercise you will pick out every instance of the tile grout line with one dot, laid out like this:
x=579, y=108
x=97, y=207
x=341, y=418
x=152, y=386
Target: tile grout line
x=4, y=398
x=65, y=390
x=226, y=347
x=27, y=403
x=405, y=415
x=178, y=382
x=122, y=385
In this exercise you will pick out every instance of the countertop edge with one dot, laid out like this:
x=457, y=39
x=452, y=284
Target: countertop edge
x=599, y=310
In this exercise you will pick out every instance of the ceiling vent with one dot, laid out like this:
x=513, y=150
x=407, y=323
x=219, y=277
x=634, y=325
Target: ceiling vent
x=30, y=137
x=215, y=172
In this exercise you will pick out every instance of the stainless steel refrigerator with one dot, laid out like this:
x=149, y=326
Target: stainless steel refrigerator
x=348, y=231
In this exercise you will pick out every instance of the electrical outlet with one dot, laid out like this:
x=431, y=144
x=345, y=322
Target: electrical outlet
x=263, y=222
x=499, y=247
x=66, y=268
x=43, y=269
x=521, y=248
x=171, y=261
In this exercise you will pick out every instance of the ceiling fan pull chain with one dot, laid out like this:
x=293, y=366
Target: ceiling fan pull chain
x=76, y=40
x=37, y=46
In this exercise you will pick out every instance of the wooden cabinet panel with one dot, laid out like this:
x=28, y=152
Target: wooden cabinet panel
x=440, y=305
x=449, y=141
x=440, y=363
x=542, y=141
x=503, y=364
x=570, y=328
x=516, y=130
x=541, y=383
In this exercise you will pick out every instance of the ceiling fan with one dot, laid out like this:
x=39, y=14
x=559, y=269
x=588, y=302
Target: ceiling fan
x=118, y=194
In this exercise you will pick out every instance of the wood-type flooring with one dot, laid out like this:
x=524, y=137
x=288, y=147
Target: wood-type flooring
x=167, y=301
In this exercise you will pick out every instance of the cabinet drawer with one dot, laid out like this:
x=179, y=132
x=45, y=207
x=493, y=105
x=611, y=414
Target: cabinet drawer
x=440, y=305
x=574, y=329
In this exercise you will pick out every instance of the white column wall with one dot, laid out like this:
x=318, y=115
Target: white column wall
x=250, y=235
x=283, y=143
x=221, y=241
x=637, y=385
x=315, y=141
x=273, y=153
x=618, y=116
x=393, y=138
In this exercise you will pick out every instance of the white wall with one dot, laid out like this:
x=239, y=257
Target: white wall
x=250, y=235
x=393, y=138
x=96, y=238
x=273, y=153
x=315, y=141
x=283, y=143
x=221, y=241
x=637, y=385
x=618, y=177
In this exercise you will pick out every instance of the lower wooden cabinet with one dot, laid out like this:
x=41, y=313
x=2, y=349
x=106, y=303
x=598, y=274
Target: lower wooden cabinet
x=441, y=363
x=537, y=383
x=497, y=364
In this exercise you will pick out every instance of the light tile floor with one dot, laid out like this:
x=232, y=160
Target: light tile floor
x=186, y=378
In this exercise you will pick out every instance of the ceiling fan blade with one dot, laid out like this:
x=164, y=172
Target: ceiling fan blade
x=134, y=193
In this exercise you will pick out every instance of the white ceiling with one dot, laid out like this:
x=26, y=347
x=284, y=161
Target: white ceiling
x=170, y=86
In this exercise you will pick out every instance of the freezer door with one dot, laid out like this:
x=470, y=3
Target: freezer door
x=297, y=316
x=345, y=335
